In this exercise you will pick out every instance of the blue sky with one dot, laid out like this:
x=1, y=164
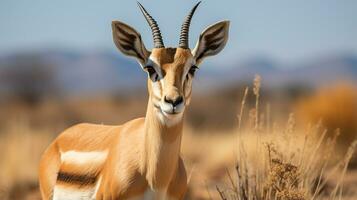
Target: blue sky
x=285, y=30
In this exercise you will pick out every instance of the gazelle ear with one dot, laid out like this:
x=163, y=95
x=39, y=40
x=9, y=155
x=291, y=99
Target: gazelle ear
x=211, y=41
x=129, y=41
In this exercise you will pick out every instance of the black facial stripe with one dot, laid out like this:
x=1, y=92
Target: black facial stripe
x=77, y=179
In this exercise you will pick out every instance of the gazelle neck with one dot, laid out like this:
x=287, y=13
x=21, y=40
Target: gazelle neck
x=161, y=148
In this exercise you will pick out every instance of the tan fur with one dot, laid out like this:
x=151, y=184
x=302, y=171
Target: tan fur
x=142, y=153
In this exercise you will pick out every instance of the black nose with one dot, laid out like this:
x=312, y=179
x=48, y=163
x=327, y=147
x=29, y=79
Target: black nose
x=174, y=102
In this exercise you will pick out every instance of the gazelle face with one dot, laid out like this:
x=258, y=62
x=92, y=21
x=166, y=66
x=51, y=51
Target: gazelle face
x=170, y=70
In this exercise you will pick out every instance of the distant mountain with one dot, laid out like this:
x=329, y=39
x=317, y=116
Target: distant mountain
x=105, y=71
x=327, y=69
x=313, y=72
x=75, y=72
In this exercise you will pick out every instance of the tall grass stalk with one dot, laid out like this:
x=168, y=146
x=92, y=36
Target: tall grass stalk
x=287, y=165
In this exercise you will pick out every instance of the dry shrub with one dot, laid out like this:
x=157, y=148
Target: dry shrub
x=285, y=163
x=336, y=107
x=287, y=166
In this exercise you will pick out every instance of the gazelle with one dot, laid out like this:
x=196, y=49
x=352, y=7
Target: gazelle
x=142, y=156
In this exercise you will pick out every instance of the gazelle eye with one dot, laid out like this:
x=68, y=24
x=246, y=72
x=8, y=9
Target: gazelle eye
x=150, y=69
x=193, y=70
x=152, y=73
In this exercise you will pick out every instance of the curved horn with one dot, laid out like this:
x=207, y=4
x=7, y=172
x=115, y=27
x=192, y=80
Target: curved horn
x=185, y=28
x=156, y=34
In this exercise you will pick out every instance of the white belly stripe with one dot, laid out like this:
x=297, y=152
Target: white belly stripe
x=66, y=193
x=82, y=158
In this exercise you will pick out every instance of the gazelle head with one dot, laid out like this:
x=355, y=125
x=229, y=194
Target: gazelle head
x=170, y=70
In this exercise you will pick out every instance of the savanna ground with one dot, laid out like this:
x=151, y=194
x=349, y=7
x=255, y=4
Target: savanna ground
x=298, y=150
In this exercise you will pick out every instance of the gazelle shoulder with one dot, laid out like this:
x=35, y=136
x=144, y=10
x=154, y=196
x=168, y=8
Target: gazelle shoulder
x=133, y=126
x=87, y=137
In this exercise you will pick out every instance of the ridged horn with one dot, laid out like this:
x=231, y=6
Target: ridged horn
x=185, y=28
x=156, y=34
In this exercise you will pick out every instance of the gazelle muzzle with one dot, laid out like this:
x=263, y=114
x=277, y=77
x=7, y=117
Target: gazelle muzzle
x=172, y=106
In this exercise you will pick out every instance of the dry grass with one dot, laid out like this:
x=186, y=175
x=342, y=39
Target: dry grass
x=20, y=151
x=257, y=160
x=336, y=106
x=285, y=164
x=207, y=156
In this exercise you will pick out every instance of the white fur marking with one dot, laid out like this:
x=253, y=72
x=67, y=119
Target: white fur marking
x=61, y=193
x=169, y=120
x=155, y=63
x=82, y=158
x=97, y=187
x=156, y=89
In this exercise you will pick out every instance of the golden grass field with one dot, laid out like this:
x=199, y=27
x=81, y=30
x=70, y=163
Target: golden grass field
x=309, y=155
